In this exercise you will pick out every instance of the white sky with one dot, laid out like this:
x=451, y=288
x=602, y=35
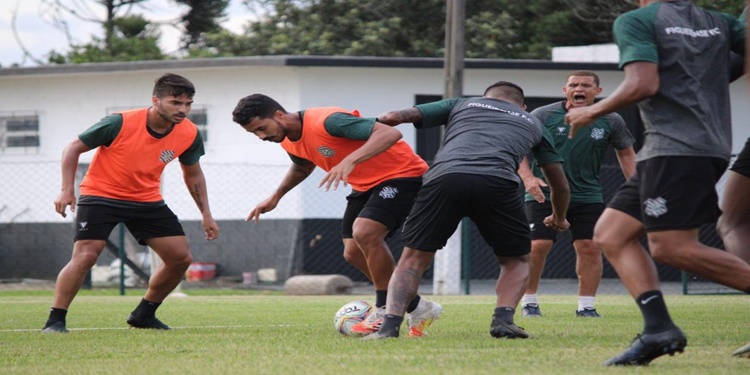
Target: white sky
x=37, y=33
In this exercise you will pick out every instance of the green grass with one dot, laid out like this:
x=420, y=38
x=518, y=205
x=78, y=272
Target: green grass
x=251, y=332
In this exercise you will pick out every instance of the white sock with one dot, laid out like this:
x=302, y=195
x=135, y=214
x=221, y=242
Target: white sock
x=529, y=299
x=585, y=302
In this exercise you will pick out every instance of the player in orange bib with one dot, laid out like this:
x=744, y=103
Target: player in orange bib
x=122, y=185
x=384, y=172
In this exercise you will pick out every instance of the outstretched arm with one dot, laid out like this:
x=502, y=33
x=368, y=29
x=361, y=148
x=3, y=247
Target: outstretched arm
x=381, y=139
x=296, y=174
x=196, y=184
x=67, y=195
x=394, y=118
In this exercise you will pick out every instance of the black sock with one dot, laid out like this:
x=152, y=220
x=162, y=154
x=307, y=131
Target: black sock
x=413, y=304
x=146, y=309
x=654, y=310
x=747, y=291
x=505, y=314
x=56, y=315
x=391, y=325
x=380, y=297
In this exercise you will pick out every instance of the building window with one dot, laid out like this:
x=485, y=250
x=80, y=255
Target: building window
x=199, y=116
x=19, y=133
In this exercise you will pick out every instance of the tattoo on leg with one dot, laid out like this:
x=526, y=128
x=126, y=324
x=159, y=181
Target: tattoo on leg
x=405, y=284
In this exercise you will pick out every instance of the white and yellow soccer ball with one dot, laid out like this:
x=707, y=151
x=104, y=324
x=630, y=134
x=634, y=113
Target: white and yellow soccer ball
x=351, y=314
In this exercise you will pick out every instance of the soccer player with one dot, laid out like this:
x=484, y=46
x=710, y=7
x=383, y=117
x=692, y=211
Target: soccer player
x=734, y=222
x=583, y=156
x=474, y=175
x=122, y=185
x=384, y=172
x=675, y=58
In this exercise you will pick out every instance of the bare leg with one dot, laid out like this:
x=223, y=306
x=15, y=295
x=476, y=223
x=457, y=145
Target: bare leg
x=175, y=255
x=681, y=249
x=589, y=267
x=370, y=237
x=354, y=256
x=404, y=283
x=72, y=276
x=514, y=275
x=616, y=234
x=538, y=258
x=734, y=223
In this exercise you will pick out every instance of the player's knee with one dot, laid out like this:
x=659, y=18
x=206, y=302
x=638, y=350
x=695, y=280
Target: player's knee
x=367, y=237
x=85, y=258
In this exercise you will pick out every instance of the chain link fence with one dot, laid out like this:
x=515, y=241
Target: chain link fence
x=300, y=237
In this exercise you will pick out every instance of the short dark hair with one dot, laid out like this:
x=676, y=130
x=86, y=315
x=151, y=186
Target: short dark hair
x=255, y=105
x=584, y=73
x=174, y=85
x=505, y=90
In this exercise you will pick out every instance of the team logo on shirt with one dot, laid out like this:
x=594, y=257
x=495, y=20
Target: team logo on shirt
x=84, y=225
x=561, y=130
x=655, y=207
x=326, y=152
x=597, y=133
x=388, y=192
x=167, y=156
x=531, y=226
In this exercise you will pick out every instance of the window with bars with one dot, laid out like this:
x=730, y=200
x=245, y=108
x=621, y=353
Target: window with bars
x=19, y=133
x=199, y=116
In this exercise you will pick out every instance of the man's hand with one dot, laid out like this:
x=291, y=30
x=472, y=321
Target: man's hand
x=64, y=200
x=338, y=174
x=557, y=224
x=534, y=187
x=211, y=229
x=266, y=206
x=578, y=118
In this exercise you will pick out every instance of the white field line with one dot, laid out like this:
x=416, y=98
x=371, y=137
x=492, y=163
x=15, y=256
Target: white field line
x=173, y=328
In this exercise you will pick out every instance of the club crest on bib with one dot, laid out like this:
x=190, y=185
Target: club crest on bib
x=326, y=152
x=167, y=156
x=655, y=207
x=388, y=192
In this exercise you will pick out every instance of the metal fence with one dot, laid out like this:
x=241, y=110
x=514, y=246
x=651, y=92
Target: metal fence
x=302, y=236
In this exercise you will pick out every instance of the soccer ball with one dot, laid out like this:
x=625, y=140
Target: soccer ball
x=351, y=314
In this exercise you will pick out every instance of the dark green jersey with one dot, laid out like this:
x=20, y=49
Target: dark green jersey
x=582, y=154
x=690, y=114
x=106, y=130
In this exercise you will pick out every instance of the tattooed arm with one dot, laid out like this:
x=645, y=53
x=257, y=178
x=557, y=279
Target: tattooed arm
x=394, y=118
x=196, y=184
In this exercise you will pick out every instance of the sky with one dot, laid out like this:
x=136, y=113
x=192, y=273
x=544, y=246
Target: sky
x=37, y=33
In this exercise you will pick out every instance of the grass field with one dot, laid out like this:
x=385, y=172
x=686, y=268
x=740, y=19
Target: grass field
x=246, y=332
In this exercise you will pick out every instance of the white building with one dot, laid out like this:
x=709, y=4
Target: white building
x=42, y=109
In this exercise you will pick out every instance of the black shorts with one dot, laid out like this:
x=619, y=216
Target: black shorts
x=581, y=216
x=672, y=192
x=387, y=203
x=742, y=163
x=95, y=222
x=494, y=204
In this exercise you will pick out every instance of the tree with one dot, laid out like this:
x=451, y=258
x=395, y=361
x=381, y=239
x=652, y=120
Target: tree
x=133, y=38
x=202, y=18
x=129, y=36
x=494, y=28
